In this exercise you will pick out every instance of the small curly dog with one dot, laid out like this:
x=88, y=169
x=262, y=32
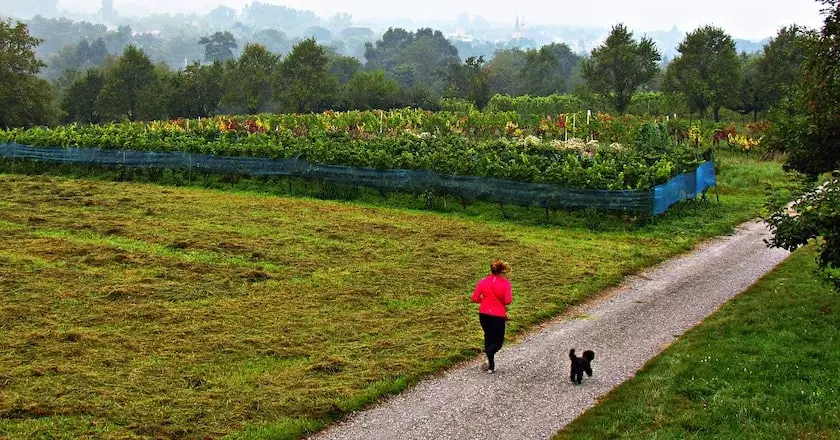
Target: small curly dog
x=581, y=365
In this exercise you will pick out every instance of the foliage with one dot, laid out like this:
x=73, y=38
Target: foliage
x=546, y=70
x=493, y=143
x=621, y=66
x=25, y=100
x=469, y=81
x=707, y=71
x=780, y=67
x=274, y=40
x=821, y=87
x=412, y=58
x=504, y=72
x=752, y=98
x=304, y=83
x=218, y=47
x=79, y=103
x=77, y=57
x=457, y=105
x=815, y=216
x=807, y=126
x=249, y=83
x=343, y=68
x=127, y=84
x=370, y=91
x=270, y=16
x=536, y=105
x=804, y=120
x=197, y=90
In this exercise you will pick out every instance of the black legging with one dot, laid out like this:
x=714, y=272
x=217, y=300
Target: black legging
x=494, y=336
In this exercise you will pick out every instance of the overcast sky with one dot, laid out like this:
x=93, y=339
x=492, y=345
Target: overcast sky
x=749, y=19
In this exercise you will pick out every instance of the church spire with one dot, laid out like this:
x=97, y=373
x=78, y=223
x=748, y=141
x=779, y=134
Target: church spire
x=518, y=29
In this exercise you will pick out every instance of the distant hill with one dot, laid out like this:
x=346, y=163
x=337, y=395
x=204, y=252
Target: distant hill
x=751, y=46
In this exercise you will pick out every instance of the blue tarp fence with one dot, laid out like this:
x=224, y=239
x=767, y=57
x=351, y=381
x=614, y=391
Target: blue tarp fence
x=683, y=186
x=655, y=201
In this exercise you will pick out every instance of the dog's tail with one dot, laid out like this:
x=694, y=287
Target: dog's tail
x=572, y=354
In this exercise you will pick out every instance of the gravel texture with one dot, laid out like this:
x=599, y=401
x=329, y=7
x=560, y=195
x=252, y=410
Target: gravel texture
x=530, y=395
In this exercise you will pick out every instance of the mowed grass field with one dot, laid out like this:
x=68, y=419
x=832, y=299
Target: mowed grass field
x=139, y=310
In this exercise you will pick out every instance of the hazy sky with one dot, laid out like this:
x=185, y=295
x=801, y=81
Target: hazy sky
x=750, y=19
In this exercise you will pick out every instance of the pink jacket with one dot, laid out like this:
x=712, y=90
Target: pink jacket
x=493, y=293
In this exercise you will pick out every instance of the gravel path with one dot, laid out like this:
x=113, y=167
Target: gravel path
x=530, y=395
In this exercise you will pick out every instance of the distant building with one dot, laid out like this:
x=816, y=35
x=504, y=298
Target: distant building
x=518, y=29
x=460, y=35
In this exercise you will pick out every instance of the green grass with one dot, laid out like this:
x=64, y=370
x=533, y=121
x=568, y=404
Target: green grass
x=158, y=311
x=765, y=366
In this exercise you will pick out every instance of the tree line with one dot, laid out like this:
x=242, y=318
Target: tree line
x=402, y=69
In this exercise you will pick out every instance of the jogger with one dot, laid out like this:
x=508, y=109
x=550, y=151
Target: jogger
x=493, y=293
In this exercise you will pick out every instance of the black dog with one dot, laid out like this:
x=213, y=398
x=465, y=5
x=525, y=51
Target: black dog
x=581, y=365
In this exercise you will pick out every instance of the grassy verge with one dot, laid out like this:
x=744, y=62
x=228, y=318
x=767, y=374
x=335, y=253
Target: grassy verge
x=158, y=311
x=764, y=366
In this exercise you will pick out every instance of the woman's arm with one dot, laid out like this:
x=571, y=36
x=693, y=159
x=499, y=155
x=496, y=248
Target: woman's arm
x=508, y=294
x=476, y=296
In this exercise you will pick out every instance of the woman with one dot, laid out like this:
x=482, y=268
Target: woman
x=493, y=294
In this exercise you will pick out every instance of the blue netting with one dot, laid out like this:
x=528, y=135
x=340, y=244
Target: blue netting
x=684, y=186
x=656, y=201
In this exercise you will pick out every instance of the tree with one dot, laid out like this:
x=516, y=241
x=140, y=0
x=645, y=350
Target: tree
x=275, y=41
x=469, y=81
x=25, y=100
x=267, y=16
x=821, y=86
x=218, y=47
x=751, y=97
x=383, y=55
x=126, y=83
x=566, y=62
x=59, y=32
x=504, y=72
x=369, y=91
x=539, y=75
x=116, y=42
x=221, y=16
x=248, y=82
x=318, y=33
x=806, y=124
x=196, y=91
x=82, y=56
x=418, y=96
x=343, y=68
x=340, y=21
x=814, y=138
x=621, y=66
x=412, y=59
x=153, y=99
x=707, y=71
x=780, y=68
x=79, y=102
x=304, y=83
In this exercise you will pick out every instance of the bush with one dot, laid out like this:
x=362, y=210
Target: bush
x=813, y=217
